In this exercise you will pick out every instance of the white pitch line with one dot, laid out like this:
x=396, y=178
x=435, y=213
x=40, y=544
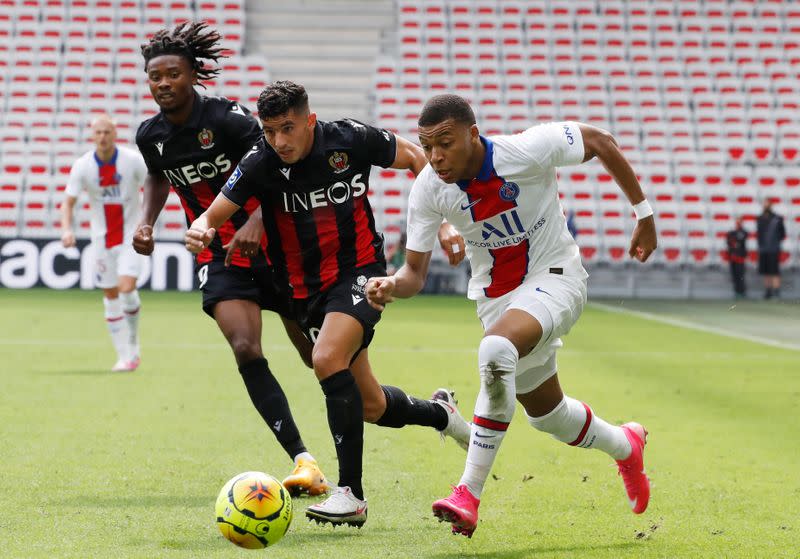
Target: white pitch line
x=374, y=349
x=695, y=326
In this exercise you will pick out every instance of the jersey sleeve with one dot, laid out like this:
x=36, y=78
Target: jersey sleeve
x=247, y=178
x=424, y=219
x=240, y=127
x=75, y=180
x=379, y=146
x=555, y=144
x=140, y=168
x=140, y=143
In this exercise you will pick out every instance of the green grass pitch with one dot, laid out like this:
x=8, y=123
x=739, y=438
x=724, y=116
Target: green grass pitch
x=95, y=464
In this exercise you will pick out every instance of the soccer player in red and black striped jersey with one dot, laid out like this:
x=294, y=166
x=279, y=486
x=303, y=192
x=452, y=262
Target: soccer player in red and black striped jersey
x=312, y=179
x=193, y=145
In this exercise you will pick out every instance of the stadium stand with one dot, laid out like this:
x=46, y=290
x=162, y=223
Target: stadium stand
x=701, y=95
x=61, y=62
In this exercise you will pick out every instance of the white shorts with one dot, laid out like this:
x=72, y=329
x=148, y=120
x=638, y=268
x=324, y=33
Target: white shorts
x=560, y=297
x=110, y=263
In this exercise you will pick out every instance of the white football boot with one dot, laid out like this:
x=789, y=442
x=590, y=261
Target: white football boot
x=124, y=366
x=342, y=507
x=457, y=428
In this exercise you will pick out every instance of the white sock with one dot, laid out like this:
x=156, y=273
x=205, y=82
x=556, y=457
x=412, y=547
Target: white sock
x=130, y=306
x=117, y=327
x=574, y=423
x=494, y=408
x=303, y=456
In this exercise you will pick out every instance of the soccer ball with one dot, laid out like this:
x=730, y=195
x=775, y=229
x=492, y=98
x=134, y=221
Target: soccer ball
x=254, y=510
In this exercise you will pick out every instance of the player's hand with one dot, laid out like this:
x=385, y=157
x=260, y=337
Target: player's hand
x=643, y=241
x=198, y=237
x=68, y=238
x=452, y=243
x=247, y=239
x=379, y=292
x=143, y=242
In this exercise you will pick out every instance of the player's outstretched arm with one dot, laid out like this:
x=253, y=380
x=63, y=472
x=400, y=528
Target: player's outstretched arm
x=156, y=190
x=202, y=230
x=409, y=156
x=406, y=282
x=67, y=234
x=601, y=144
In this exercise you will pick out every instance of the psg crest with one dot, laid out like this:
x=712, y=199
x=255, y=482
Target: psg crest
x=206, y=138
x=338, y=161
x=509, y=191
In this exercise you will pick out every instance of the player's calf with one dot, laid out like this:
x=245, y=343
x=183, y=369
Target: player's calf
x=573, y=422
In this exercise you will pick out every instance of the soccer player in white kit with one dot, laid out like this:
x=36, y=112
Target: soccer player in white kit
x=500, y=194
x=112, y=176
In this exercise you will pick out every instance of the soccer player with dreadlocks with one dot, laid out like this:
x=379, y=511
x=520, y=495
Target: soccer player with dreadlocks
x=193, y=145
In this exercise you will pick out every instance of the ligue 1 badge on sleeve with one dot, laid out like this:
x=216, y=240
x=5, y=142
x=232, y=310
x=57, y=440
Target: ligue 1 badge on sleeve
x=509, y=191
x=206, y=138
x=338, y=161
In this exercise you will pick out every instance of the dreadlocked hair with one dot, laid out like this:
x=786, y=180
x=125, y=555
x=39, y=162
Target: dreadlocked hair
x=187, y=40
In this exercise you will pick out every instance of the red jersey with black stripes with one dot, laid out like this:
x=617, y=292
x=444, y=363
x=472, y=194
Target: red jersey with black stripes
x=197, y=159
x=509, y=215
x=316, y=212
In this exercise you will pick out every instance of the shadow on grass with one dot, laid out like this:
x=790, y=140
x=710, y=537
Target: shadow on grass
x=161, y=501
x=533, y=550
x=293, y=539
x=79, y=373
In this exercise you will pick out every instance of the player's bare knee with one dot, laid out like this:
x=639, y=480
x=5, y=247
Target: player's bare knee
x=245, y=349
x=373, y=410
x=327, y=360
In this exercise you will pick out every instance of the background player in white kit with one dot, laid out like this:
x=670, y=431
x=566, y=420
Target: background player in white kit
x=112, y=176
x=500, y=193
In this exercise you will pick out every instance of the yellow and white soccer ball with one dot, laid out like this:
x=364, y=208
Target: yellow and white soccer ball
x=254, y=510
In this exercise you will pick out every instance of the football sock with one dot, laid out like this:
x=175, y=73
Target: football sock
x=270, y=401
x=494, y=408
x=402, y=410
x=574, y=423
x=116, y=326
x=346, y=421
x=130, y=306
x=303, y=456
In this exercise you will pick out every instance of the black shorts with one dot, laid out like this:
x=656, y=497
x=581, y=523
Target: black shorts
x=768, y=263
x=221, y=283
x=346, y=296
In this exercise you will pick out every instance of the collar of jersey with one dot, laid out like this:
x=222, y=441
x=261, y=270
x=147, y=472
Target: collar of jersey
x=112, y=161
x=486, y=168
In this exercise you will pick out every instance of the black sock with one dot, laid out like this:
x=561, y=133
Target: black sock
x=402, y=410
x=346, y=420
x=270, y=401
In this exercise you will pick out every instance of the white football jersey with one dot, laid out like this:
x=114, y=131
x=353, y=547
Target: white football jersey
x=113, y=190
x=509, y=215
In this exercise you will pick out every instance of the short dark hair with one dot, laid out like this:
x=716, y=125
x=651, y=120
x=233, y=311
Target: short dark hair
x=187, y=40
x=280, y=97
x=446, y=106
